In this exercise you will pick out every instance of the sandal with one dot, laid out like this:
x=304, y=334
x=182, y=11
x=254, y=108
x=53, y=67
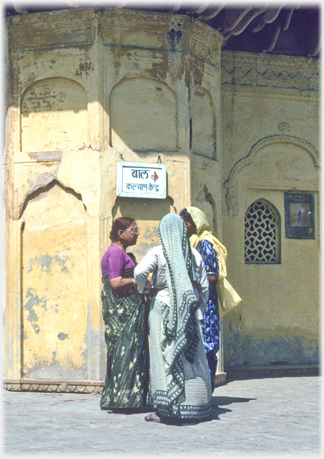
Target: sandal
x=149, y=418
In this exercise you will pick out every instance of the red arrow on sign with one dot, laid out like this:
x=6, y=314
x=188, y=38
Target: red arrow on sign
x=154, y=176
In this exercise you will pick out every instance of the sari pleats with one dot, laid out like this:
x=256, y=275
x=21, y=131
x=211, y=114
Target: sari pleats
x=180, y=386
x=126, y=336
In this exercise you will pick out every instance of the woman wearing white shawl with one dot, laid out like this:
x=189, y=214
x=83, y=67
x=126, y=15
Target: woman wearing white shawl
x=180, y=382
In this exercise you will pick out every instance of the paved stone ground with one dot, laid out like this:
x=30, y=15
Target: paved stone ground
x=270, y=416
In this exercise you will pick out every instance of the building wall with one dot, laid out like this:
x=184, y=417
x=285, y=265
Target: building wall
x=270, y=116
x=88, y=89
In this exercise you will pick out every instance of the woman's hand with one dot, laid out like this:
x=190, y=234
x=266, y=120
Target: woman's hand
x=119, y=283
x=212, y=278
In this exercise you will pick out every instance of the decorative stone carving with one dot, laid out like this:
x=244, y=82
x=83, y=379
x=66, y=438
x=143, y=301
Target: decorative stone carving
x=261, y=236
x=258, y=73
x=81, y=387
x=231, y=198
x=284, y=127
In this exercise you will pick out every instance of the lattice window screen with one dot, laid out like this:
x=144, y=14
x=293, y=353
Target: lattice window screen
x=261, y=234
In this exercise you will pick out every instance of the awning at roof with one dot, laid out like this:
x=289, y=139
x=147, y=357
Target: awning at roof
x=291, y=29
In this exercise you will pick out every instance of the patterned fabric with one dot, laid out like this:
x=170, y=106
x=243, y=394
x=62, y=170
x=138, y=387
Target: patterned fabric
x=228, y=298
x=126, y=384
x=211, y=314
x=203, y=233
x=181, y=273
x=179, y=371
x=211, y=324
x=191, y=397
x=155, y=257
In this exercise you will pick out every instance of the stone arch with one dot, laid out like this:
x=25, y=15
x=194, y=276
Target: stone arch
x=249, y=158
x=54, y=115
x=40, y=190
x=143, y=115
x=277, y=154
x=203, y=123
x=43, y=184
x=54, y=284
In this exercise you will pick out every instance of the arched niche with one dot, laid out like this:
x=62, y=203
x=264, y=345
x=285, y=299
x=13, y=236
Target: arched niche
x=143, y=115
x=203, y=124
x=294, y=144
x=54, y=116
x=54, y=285
x=275, y=162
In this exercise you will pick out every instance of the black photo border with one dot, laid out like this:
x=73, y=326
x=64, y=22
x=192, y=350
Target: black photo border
x=299, y=232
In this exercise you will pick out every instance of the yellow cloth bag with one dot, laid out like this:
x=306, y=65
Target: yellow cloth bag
x=228, y=298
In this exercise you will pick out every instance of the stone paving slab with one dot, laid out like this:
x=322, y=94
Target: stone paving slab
x=270, y=416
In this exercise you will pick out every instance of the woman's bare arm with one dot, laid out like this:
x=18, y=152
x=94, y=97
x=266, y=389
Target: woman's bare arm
x=121, y=282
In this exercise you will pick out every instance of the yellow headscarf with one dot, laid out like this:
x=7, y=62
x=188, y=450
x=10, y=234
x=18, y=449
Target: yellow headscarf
x=228, y=298
x=203, y=233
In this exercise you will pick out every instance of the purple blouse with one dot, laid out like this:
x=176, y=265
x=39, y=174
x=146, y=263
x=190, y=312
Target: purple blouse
x=114, y=261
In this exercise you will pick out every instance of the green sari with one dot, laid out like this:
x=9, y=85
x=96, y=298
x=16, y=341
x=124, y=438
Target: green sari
x=126, y=336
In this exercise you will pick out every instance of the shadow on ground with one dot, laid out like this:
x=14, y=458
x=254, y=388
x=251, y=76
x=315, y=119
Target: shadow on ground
x=217, y=408
x=144, y=409
x=219, y=402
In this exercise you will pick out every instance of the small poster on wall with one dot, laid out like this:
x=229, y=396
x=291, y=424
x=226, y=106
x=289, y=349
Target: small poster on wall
x=299, y=215
x=141, y=180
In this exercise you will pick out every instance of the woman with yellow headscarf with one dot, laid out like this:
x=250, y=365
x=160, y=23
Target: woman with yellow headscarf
x=222, y=296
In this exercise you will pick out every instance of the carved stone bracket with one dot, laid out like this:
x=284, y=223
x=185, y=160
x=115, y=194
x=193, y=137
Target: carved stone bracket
x=205, y=196
x=231, y=198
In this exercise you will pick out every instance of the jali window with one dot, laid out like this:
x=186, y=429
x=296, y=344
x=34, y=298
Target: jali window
x=262, y=238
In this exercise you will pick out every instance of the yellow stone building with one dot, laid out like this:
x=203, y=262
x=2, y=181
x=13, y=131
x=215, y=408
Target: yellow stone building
x=238, y=134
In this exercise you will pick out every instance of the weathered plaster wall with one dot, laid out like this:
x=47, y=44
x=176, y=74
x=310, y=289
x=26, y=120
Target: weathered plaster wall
x=54, y=244
x=91, y=88
x=271, y=139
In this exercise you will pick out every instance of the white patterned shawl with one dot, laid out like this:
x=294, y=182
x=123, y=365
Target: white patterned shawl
x=179, y=322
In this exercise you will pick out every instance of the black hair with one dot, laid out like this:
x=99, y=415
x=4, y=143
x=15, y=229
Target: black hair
x=121, y=223
x=187, y=217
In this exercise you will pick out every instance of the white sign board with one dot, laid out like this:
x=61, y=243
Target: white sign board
x=141, y=180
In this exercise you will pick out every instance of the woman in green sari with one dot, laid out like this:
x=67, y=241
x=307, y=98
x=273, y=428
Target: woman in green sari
x=126, y=336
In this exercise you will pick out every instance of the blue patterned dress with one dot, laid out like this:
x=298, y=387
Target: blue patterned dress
x=210, y=325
